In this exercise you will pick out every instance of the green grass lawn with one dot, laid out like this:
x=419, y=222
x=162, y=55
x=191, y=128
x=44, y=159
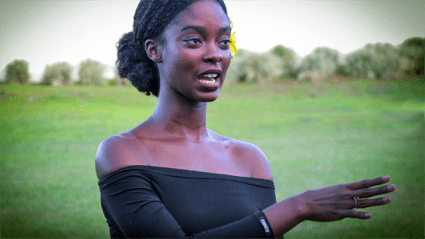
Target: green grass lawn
x=314, y=136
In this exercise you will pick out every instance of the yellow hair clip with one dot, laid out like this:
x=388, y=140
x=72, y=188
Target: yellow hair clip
x=233, y=49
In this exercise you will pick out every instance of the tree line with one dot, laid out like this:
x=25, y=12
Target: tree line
x=374, y=61
x=90, y=72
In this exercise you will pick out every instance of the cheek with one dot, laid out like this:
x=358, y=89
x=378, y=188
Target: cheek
x=188, y=60
x=226, y=62
x=177, y=62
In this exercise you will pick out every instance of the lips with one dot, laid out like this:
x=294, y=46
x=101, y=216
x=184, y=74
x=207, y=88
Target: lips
x=210, y=76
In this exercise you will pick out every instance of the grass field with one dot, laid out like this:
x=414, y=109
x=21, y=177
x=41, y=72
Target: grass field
x=314, y=136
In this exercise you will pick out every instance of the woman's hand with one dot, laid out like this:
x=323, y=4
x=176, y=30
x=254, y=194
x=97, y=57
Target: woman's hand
x=327, y=204
x=337, y=202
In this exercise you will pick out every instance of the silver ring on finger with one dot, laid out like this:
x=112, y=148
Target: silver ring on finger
x=356, y=198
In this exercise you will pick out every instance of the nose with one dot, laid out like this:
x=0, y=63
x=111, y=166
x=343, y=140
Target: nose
x=212, y=54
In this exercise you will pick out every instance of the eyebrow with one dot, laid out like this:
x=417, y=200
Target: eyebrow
x=203, y=30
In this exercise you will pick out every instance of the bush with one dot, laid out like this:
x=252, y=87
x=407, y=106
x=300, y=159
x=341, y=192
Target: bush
x=118, y=80
x=413, y=52
x=288, y=58
x=253, y=67
x=112, y=82
x=341, y=70
x=91, y=73
x=377, y=61
x=122, y=81
x=323, y=60
x=17, y=72
x=57, y=73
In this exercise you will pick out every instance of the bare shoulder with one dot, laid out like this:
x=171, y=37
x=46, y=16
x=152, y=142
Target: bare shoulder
x=116, y=152
x=250, y=156
x=256, y=159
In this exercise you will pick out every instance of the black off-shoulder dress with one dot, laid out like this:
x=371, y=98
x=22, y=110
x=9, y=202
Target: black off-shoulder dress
x=146, y=201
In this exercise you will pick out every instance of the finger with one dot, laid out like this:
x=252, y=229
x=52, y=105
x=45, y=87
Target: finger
x=373, y=202
x=368, y=183
x=370, y=192
x=355, y=214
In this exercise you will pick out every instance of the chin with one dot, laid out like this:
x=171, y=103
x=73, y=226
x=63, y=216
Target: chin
x=208, y=97
x=210, y=100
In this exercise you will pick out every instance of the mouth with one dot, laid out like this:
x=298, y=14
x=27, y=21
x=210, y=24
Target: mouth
x=210, y=77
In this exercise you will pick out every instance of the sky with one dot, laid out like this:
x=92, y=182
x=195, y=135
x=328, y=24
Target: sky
x=43, y=32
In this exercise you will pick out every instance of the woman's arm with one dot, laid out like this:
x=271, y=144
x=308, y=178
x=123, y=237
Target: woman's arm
x=327, y=204
x=285, y=215
x=135, y=210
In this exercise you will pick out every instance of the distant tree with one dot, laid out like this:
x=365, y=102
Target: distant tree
x=255, y=67
x=358, y=64
x=385, y=59
x=288, y=58
x=341, y=70
x=17, y=72
x=413, y=54
x=91, y=73
x=120, y=81
x=57, y=73
x=378, y=60
x=236, y=71
x=116, y=80
x=3, y=74
x=322, y=60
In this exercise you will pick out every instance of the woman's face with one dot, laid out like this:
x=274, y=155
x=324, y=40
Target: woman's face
x=196, y=53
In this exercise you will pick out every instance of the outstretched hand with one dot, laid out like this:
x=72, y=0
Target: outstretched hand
x=337, y=202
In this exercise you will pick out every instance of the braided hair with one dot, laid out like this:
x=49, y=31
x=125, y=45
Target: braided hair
x=150, y=20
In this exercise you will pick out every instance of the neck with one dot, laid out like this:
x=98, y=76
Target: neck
x=180, y=117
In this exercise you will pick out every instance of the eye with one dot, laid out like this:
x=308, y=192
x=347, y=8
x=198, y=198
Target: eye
x=193, y=41
x=225, y=43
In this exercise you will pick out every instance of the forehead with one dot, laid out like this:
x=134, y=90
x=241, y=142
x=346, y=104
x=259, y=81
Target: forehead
x=203, y=13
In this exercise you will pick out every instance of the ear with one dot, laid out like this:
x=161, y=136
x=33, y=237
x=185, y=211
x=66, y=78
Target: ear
x=153, y=51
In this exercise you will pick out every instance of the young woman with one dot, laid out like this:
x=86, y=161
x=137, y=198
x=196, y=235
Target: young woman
x=173, y=177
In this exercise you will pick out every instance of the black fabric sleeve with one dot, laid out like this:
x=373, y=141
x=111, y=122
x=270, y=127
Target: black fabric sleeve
x=137, y=210
x=248, y=227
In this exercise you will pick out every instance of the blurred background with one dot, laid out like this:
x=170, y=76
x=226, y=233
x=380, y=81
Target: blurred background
x=291, y=39
x=331, y=91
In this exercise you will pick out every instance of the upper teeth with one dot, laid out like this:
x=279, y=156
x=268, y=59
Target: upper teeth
x=211, y=75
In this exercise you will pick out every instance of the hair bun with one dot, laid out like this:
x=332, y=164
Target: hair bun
x=134, y=64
